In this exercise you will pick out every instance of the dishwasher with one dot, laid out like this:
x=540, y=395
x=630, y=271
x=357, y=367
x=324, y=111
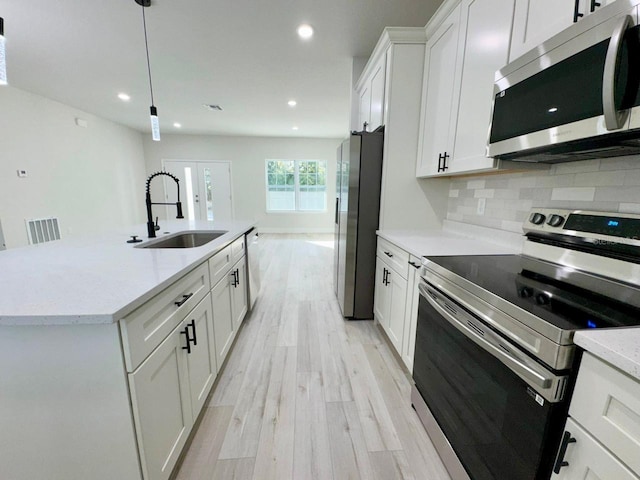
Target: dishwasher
x=253, y=265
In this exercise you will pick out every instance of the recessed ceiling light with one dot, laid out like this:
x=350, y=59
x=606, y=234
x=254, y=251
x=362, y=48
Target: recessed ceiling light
x=305, y=31
x=124, y=97
x=294, y=128
x=177, y=125
x=553, y=110
x=292, y=103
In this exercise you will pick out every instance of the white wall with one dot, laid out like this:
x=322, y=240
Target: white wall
x=91, y=178
x=247, y=156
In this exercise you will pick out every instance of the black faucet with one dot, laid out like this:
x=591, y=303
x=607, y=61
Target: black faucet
x=151, y=227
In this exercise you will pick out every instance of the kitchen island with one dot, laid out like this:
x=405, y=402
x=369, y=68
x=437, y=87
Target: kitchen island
x=108, y=351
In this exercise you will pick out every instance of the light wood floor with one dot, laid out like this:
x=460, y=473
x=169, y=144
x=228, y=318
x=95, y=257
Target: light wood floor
x=305, y=394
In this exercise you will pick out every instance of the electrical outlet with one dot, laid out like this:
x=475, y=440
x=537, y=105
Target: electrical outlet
x=482, y=203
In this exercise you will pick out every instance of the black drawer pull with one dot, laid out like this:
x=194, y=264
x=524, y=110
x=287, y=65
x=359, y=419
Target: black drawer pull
x=185, y=332
x=195, y=338
x=576, y=12
x=390, y=255
x=560, y=462
x=184, y=299
x=594, y=5
x=414, y=264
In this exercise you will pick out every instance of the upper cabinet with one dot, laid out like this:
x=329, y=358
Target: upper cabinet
x=537, y=20
x=436, y=139
x=371, y=94
x=461, y=59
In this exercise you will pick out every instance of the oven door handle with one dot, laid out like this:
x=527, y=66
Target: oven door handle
x=530, y=371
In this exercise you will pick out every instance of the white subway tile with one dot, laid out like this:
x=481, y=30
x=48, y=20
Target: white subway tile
x=484, y=193
x=577, y=167
x=583, y=194
x=630, y=208
x=599, y=179
x=511, y=226
x=475, y=184
x=454, y=193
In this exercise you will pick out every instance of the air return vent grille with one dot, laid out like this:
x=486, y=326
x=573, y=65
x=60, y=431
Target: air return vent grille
x=41, y=230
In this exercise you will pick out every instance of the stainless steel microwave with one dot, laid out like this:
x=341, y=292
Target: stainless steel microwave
x=575, y=97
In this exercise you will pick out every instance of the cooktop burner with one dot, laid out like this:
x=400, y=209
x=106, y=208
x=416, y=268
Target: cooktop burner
x=513, y=279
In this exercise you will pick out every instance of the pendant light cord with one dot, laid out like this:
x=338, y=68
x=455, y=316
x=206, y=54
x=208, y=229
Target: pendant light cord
x=146, y=46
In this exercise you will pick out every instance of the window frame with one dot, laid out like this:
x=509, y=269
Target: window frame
x=296, y=185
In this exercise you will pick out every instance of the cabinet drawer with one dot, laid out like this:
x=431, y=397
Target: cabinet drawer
x=220, y=264
x=394, y=256
x=606, y=402
x=146, y=327
x=237, y=249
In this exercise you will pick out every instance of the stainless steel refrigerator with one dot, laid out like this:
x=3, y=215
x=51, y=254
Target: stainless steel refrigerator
x=358, y=178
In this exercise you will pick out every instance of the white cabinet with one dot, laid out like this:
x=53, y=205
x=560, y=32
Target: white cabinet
x=162, y=406
x=461, y=59
x=535, y=21
x=390, y=300
x=239, y=292
x=604, y=425
x=371, y=97
x=436, y=134
x=411, y=313
x=222, y=317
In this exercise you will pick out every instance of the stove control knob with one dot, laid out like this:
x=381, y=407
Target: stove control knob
x=526, y=292
x=543, y=299
x=555, y=220
x=537, y=218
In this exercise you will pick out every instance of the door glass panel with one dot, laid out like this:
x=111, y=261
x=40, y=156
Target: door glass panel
x=208, y=190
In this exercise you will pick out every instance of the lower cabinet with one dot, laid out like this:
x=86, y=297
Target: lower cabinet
x=602, y=435
x=162, y=405
x=222, y=317
x=239, y=292
x=411, y=313
x=390, y=301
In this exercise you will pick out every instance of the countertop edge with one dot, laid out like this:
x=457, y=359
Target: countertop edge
x=619, y=347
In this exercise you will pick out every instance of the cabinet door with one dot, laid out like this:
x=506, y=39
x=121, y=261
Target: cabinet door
x=397, y=305
x=411, y=316
x=483, y=49
x=437, y=95
x=239, y=293
x=376, y=116
x=538, y=20
x=202, y=359
x=365, y=108
x=222, y=318
x=587, y=459
x=161, y=405
x=381, y=302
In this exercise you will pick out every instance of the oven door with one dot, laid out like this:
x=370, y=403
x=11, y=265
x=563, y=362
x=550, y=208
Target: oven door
x=501, y=411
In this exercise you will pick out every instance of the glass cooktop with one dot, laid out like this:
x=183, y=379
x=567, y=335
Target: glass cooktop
x=511, y=277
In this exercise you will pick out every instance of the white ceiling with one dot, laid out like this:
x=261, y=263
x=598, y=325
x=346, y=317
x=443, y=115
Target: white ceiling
x=243, y=55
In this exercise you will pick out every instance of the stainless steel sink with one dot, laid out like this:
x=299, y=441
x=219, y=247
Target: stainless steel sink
x=184, y=239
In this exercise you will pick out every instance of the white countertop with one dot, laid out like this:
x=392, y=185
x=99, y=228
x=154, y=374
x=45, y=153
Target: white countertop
x=440, y=242
x=97, y=279
x=620, y=347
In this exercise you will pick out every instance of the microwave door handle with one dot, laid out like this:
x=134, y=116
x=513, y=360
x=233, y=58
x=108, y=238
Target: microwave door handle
x=613, y=119
x=527, y=370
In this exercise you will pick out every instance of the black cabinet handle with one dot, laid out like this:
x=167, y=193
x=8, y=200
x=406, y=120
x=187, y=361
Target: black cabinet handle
x=442, y=162
x=388, y=254
x=576, y=12
x=236, y=276
x=415, y=265
x=384, y=276
x=184, y=299
x=560, y=462
x=185, y=332
x=594, y=5
x=195, y=338
x=337, y=207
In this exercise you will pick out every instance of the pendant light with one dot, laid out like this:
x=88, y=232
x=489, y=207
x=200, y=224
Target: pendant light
x=3, y=63
x=155, y=124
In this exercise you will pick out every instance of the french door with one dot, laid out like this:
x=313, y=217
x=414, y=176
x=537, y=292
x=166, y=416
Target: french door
x=205, y=189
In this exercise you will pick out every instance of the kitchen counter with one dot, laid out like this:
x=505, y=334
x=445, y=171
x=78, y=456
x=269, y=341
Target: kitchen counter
x=442, y=242
x=97, y=279
x=619, y=346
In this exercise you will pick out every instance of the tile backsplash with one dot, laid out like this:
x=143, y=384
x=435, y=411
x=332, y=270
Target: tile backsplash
x=611, y=184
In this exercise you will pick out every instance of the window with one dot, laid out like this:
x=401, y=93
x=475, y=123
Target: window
x=296, y=185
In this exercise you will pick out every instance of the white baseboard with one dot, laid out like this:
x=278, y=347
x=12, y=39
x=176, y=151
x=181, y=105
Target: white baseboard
x=295, y=229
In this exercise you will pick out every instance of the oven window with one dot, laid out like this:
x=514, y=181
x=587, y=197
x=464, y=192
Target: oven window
x=488, y=414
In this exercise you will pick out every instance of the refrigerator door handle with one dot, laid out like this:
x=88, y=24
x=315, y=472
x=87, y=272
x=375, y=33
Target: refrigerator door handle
x=337, y=209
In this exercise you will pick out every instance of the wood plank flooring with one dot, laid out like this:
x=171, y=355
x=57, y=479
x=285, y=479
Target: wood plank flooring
x=305, y=394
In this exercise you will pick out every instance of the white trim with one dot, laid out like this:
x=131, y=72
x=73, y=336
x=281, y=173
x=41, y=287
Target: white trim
x=436, y=20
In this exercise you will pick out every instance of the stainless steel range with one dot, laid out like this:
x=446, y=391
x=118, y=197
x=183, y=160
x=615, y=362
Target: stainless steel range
x=495, y=363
